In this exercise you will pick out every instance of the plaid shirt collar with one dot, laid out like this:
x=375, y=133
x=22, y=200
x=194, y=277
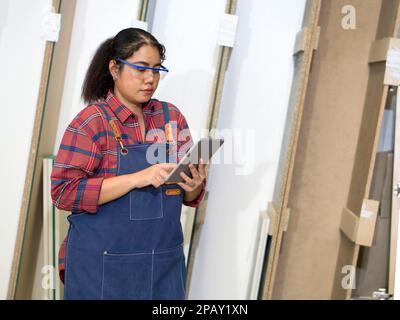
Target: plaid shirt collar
x=121, y=111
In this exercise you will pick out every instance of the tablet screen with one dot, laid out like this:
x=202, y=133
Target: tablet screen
x=204, y=149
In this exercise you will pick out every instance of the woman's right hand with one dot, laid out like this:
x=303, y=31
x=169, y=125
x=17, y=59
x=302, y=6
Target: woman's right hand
x=115, y=187
x=154, y=175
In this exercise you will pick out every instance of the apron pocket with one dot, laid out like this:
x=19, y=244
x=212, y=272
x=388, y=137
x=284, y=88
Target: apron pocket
x=145, y=203
x=169, y=273
x=127, y=276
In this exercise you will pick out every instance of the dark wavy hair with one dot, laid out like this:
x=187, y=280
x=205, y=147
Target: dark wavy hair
x=98, y=79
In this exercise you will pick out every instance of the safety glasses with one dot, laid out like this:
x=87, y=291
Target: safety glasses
x=140, y=71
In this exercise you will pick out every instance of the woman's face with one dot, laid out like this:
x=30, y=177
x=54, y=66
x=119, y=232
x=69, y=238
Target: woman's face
x=137, y=86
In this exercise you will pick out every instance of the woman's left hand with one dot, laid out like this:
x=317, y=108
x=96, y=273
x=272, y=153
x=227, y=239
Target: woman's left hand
x=198, y=175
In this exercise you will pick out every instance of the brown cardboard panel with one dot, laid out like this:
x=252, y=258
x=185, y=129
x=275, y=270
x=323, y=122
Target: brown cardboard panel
x=302, y=60
x=326, y=150
x=360, y=228
x=22, y=280
x=369, y=133
x=23, y=230
x=364, y=163
x=362, y=173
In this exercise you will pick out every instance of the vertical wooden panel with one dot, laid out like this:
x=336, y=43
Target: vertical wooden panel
x=24, y=211
x=302, y=68
x=28, y=237
x=327, y=149
x=364, y=162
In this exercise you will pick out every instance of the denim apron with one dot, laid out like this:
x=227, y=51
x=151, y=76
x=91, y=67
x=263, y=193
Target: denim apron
x=132, y=248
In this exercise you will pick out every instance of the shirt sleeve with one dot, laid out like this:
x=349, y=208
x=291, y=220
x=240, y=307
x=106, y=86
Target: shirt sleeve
x=72, y=186
x=184, y=143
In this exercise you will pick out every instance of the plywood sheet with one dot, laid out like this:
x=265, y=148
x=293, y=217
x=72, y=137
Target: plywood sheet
x=302, y=64
x=29, y=277
x=364, y=163
x=326, y=150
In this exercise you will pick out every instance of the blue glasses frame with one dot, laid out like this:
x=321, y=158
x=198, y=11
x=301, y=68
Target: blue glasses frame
x=143, y=68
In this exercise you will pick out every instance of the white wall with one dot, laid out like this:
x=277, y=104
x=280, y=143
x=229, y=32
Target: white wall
x=191, y=55
x=255, y=97
x=20, y=28
x=95, y=21
x=192, y=59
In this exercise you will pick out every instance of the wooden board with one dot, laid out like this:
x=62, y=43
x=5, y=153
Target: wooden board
x=23, y=260
x=326, y=151
x=364, y=162
x=302, y=61
x=46, y=126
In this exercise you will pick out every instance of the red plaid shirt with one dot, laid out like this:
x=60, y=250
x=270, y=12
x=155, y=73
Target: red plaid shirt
x=88, y=153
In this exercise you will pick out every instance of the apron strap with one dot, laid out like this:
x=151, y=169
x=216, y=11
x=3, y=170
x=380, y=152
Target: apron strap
x=167, y=127
x=117, y=132
x=114, y=127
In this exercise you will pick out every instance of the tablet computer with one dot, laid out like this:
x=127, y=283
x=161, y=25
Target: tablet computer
x=204, y=149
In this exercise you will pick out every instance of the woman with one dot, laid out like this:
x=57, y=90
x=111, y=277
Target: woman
x=125, y=238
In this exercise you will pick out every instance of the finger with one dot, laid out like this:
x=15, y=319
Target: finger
x=202, y=169
x=193, y=170
x=191, y=184
x=163, y=173
x=184, y=186
x=159, y=181
x=167, y=166
x=188, y=180
x=155, y=184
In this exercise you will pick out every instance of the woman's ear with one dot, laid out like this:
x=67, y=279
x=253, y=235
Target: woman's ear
x=113, y=67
